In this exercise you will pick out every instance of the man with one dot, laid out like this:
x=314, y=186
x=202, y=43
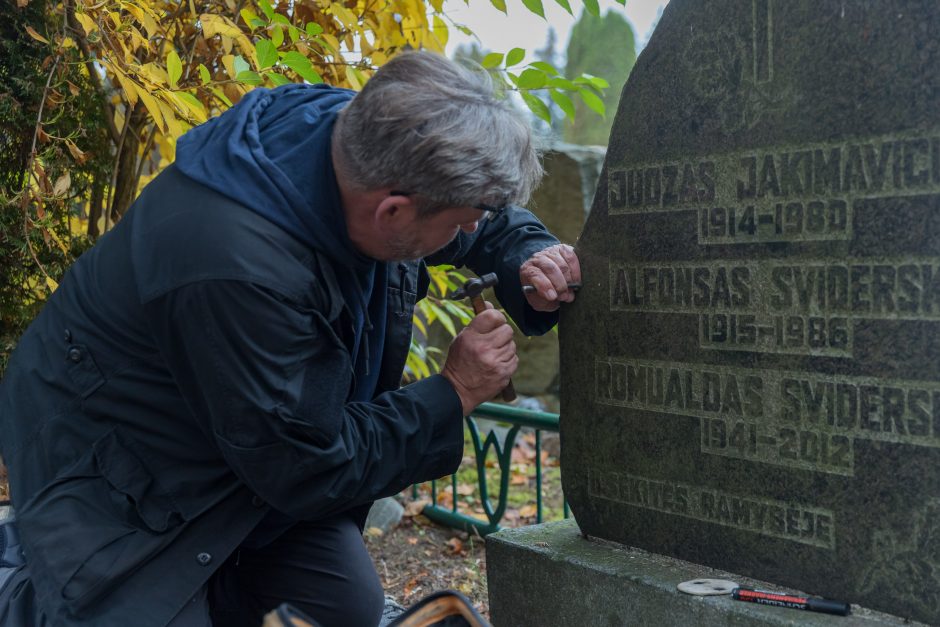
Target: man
x=200, y=417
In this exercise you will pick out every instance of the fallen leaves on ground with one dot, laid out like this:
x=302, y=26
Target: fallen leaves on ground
x=455, y=546
x=457, y=561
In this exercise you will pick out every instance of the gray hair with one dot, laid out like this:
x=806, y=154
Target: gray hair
x=428, y=126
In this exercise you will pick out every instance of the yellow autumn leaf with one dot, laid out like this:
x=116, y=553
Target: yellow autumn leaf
x=228, y=62
x=213, y=24
x=189, y=104
x=353, y=78
x=345, y=16
x=173, y=125
x=153, y=108
x=332, y=42
x=88, y=24
x=441, y=33
x=32, y=33
x=128, y=85
x=57, y=240
x=51, y=284
x=119, y=116
x=137, y=38
x=150, y=25
x=154, y=74
x=134, y=10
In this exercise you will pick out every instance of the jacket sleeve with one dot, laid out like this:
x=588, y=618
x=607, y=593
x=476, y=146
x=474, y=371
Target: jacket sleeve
x=268, y=382
x=502, y=246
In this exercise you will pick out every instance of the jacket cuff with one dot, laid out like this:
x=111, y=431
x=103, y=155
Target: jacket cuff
x=445, y=449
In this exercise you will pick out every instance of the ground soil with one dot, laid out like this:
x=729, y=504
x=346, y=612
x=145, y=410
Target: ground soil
x=418, y=557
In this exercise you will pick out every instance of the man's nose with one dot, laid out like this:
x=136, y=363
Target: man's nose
x=469, y=227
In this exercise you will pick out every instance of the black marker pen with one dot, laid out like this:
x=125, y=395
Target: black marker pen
x=793, y=602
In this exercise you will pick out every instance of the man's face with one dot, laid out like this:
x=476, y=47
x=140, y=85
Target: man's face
x=426, y=235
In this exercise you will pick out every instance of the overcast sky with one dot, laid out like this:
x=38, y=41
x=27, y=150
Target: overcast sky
x=522, y=29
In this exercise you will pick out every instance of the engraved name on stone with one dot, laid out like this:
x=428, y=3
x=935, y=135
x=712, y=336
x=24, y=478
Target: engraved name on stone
x=798, y=194
x=810, y=525
x=797, y=419
x=798, y=306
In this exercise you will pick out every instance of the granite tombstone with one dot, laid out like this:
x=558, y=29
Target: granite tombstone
x=751, y=374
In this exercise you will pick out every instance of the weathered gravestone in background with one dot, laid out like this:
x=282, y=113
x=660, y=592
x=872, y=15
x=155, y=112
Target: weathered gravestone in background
x=561, y=202
x=751, y=374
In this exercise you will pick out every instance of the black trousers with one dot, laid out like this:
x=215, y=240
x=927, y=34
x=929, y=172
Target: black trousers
x=322, y=568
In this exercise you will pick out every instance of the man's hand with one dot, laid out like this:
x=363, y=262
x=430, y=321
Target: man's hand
x=550, y=271
x=481, y=359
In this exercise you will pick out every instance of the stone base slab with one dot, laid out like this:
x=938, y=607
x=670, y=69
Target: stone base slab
x=549, y=574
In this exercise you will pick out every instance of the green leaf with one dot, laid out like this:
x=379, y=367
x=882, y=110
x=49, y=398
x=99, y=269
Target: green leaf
x=560, y=82
x=464, y=29
x=250, y=17
x=174, y=67
x=280, y=19
x=537, y=107
x=267, y=8
x=592, y=7
x=567, y=7
x=301, y=64
x=277, y=36
x=593, y=101
x=514, y=57
x=313, y=29
x=204, y=74
x=277, y=79
x=532, y=79
x=444, y=318
x=294, y=33
x=221, y=96
x=548, y=68
x=492, y=60
x=191, y=99
x=535, y=6
x=564, y=103
x=621, y=2
x=499, y=4
x=249, y=78
x=258, y=23
x=267, y=52
x=240, y=64
x=594, y=81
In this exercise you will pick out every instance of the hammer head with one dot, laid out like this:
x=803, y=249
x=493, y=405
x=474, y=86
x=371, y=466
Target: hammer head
x=475, y=287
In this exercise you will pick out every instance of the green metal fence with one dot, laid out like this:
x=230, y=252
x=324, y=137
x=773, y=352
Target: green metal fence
x=516, y=419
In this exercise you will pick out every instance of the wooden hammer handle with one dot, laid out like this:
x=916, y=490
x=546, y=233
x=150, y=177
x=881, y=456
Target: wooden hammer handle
x=509, y=392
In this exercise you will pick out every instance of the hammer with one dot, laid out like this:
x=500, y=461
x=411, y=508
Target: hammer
x=473, y=289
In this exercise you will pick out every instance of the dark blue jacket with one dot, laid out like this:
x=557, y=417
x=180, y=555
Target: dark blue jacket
x=191, y=373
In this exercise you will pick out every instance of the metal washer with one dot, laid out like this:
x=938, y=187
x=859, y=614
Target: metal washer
x=707, y=587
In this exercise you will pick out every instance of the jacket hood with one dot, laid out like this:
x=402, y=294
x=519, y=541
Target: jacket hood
x=271, y=153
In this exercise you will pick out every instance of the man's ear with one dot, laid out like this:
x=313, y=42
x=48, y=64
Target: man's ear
x=395, y=210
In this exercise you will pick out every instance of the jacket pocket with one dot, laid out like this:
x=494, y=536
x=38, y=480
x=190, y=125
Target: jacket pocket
x=97, y=523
